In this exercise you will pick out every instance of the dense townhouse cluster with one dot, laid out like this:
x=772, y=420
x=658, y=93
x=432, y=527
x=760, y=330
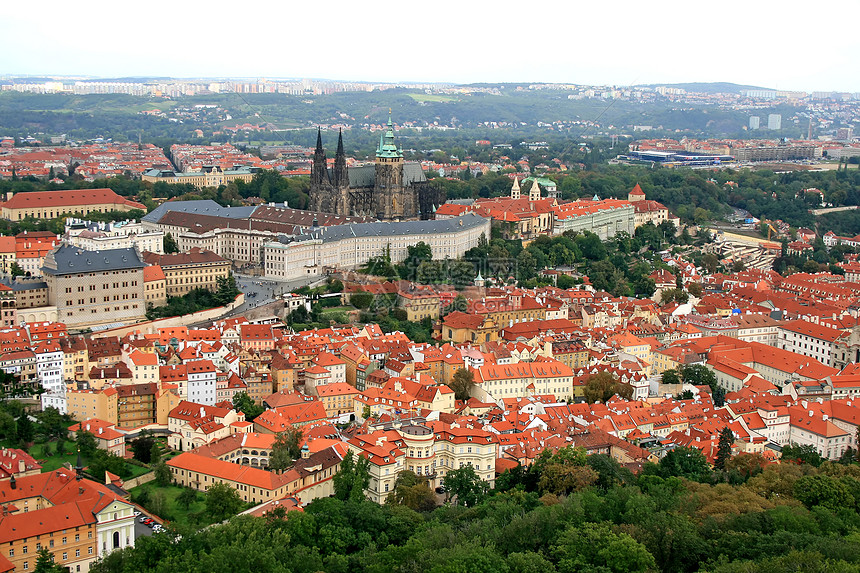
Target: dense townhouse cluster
x=92, y=161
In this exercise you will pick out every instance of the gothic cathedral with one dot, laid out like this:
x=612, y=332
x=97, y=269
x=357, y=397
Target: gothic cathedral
x=391, y=189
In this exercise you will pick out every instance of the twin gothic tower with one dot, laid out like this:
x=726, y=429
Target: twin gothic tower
x=390, y=189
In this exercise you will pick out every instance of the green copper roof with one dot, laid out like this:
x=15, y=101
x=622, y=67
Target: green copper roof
x=546, y=182
x=387, y=148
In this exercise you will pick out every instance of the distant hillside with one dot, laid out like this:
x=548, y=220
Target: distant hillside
x=710, y=87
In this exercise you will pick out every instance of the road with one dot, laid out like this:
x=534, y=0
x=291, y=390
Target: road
x=259, y=291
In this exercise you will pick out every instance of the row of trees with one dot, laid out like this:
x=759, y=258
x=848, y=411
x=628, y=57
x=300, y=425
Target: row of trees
x=567, y=512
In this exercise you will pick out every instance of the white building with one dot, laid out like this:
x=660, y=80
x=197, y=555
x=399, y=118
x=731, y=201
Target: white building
x=774, y=121
x=97, y=236
x=49, y=370
x=202, y=376
x=350, y=246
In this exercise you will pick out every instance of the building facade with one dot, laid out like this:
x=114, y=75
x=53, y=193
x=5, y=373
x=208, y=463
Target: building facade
x=349, y=246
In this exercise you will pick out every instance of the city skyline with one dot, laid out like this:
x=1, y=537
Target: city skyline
x=641, y=44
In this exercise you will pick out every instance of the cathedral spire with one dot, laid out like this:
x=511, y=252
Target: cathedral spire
x=341, y=175
x=319, y=169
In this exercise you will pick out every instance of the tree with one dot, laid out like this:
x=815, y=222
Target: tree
x=603, y=385
x=186, y=498
x=222, y=501
x=684, y=462
x=16, y=271
x=25, y=429
x=352, y=478
x=45, y=563
x=710, y=262
x=695, y=289
x=806, y=454
x=103, y=461
x=465, y=485
x=86, y=443
x=671, y=377
x=461, y=383
x=823, y=490
x=154, y=453
x=169, y=244
x=361, y=300
x=243, y=403
x=595, y=547
x=163, y=476
x=157, y=504
x=421, y=251
x=724, y=449
x=285, y=449
x=700, y=375
x=412, y=491
x=142, y=448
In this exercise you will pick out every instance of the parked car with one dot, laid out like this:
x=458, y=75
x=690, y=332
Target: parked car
x=142, y=518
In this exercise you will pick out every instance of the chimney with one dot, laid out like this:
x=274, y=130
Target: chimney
x=811, y=413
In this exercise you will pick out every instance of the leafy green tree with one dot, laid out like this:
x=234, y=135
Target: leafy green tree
x=823, y=490
x=462, y=383
x=242, y=402
x=805, y=454
x=361, y=300
x=724, y=449
x=186, y=498
x=86, y=443
x=25, y=429
x=352, y=478
x=163, y=476
x=170, y=245
x=16, y=271
x=142, y=448
x=594, y=547
x=602, y=386
x=684, y=462
x=671, y=376
x=45, y=563
x=154, y=453
x=222, y=501
x=285, y=449
x=412, y=491
x=464, y=485
x=103, y=461
x=157, y=504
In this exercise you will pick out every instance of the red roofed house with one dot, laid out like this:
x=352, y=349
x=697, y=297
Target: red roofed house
x=296, y=415
x=192, y=425
x=106, y=435
x=258, y=336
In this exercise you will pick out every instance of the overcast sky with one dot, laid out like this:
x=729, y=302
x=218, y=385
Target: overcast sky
x=787, y=45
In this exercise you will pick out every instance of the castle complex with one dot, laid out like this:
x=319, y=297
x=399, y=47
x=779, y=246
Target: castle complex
x=391, y=189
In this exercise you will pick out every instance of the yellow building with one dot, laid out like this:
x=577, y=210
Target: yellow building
x=195, y=269
x=209, y=177
x=419, y=304
x=53, y=204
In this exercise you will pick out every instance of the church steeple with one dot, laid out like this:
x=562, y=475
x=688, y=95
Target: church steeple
x=319, y=170
x=515, y=189
x=341, y=177
x=387, y=148
x=534, y=192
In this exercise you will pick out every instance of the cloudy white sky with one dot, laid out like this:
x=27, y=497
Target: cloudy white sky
x=784, y=45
